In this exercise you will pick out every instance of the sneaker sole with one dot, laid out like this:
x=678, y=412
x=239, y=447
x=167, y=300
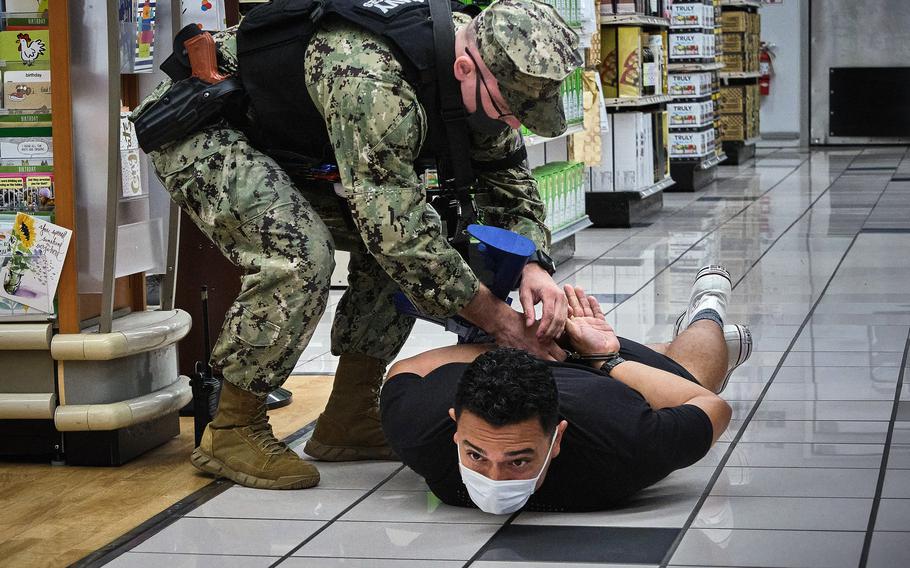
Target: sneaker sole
x=745, y=350
x=324, y=452
x=216, y=467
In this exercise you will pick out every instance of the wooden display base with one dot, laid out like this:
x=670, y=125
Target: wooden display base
x=116, y=447
x=739, y=152
x=612, y=209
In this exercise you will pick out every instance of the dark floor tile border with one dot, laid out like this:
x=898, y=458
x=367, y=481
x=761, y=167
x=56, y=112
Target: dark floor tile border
x=873, y=230
x=883, y=470
x=562, y=544
x=900, y=177
x=136, y=536
x=726, y=198
x=870, y=168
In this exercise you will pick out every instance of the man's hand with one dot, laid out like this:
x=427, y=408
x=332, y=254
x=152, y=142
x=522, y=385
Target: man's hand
x=512, y=333
x=587, y=327
x=538, y=286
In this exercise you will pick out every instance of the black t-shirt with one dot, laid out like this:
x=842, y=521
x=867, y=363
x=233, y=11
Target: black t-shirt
x=615, y=445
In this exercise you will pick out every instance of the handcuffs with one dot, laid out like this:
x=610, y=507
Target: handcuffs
x=610, y=360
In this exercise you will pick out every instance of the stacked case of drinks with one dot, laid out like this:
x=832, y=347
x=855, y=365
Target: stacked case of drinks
x=561, y=187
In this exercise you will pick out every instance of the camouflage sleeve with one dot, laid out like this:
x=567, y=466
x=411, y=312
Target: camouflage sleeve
x=377, y=128
x=512, y=200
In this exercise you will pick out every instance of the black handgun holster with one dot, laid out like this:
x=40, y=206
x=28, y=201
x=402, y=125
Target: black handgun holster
x=188, y=106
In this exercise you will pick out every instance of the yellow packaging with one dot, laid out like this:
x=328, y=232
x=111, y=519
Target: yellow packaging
x=734, y=21
x=620, y=68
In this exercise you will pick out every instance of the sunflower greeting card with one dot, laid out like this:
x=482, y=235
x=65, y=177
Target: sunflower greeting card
x=31, y=260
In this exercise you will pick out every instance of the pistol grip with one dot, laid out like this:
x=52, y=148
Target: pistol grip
x=200, y=49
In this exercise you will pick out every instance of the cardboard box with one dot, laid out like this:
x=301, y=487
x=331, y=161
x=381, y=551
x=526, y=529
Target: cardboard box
x=732, y=99
x=646, y=155
x=733, y=62
x=620, y=70
x=732, y=127
x=734, y=21
x=690, y=84
x=734, y=42
x=661, y=135
x=691, y=144
x=28, y=90
x=691, y=16
x=603, y=176
x=688, y=46
x=626, y=137
x=691, y=114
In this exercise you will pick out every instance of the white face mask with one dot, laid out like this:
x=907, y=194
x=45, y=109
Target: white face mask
x=504, y=496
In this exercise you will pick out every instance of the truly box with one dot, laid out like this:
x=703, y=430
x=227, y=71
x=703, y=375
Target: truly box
x=691, y=144
x=691, y=46
x=684, y=16
x=689, y=84
x=28, y=90
x=620, y=69
x=691, y=114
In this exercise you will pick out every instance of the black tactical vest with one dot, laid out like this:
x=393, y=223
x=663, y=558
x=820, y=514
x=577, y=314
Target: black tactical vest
x=271, y=44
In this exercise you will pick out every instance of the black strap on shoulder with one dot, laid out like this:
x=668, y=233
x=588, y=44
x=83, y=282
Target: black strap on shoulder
x=512, y=160
x=454, y=116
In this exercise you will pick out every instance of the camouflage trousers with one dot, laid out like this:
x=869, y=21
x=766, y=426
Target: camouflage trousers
x=283, y=239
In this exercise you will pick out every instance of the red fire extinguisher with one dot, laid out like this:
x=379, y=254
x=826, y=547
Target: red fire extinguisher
x=766, y=68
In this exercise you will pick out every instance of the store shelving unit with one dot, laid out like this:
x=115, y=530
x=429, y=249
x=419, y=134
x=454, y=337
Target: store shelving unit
x=739, y=79
x=614, y=201
x=694, y=150
x=103, y=366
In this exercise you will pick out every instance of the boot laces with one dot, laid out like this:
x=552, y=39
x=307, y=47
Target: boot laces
x=261, y=433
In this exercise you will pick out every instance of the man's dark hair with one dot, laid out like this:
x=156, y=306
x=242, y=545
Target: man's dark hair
x=507, y=386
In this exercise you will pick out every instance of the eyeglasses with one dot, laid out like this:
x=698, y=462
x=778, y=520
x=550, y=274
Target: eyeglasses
x=502, y=115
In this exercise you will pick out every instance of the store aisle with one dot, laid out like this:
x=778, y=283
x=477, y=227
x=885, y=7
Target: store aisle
x=814, y=470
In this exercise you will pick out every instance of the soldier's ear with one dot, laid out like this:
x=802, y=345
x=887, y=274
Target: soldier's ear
x=463, y=67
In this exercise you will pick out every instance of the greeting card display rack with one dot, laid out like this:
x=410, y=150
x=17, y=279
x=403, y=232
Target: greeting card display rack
x=97, y=382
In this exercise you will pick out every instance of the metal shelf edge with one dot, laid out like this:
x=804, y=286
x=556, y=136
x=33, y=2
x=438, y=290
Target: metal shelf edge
x=633, y=19
x=570, y=229
x=633, y=102
x=534, y=140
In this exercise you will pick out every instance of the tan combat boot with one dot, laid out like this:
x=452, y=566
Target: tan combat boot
x=349, y=429
x=239, y=445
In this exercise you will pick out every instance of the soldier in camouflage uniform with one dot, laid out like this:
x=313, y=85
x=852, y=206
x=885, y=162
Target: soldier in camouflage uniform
x=283, y=235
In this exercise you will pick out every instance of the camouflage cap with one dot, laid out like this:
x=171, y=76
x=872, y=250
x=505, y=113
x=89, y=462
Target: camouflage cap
x=530, y=49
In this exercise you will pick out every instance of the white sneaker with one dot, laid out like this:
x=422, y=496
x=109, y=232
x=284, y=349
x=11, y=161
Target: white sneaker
x=711, y=290
x=739, y=349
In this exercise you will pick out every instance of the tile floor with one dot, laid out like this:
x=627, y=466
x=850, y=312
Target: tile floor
x=814, y=470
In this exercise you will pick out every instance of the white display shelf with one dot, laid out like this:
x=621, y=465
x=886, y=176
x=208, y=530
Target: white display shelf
x=740, y=4
x=739, y=75
x=570, y=229
x=631, y=102
x=694, y=67
x=533, y=139
x=633, y=20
